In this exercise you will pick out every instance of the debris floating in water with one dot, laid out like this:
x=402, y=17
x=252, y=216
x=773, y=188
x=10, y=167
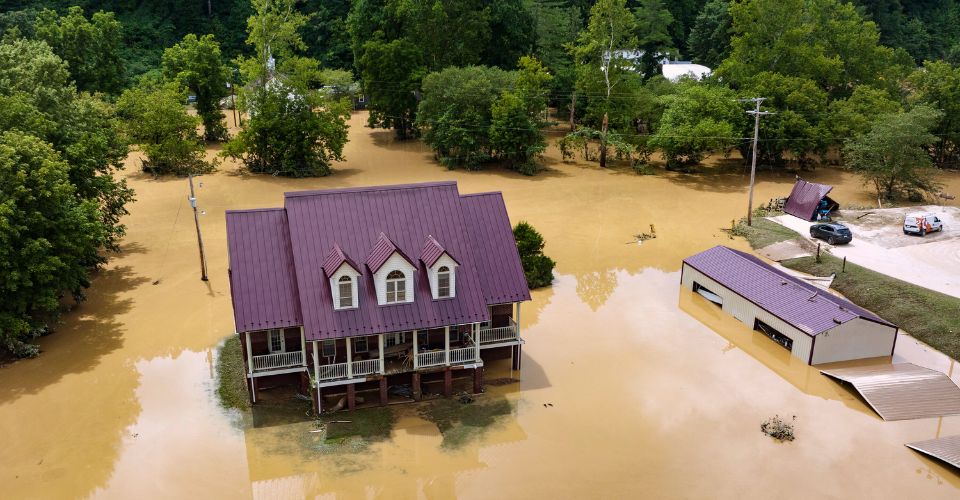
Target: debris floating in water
x=646, y=236
x=779, y=429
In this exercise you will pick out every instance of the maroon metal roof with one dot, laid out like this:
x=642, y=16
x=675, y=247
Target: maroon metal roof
x=382, y=251
x=432, y=250
x=796, y=302
x=495, y=253
x=335, y=259
x=804, y=199
x=262, y=283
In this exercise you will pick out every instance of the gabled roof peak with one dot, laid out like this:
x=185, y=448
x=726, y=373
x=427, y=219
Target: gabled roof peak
x=432, y=251
x=382, y=251
x=335, y=259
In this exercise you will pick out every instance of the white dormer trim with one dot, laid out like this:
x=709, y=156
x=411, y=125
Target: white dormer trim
x=396, y=262
x=444, y=260
x=345, y=270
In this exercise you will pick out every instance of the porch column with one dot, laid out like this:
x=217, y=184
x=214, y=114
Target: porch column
x=446, y=345
x=416, y=360
x=383, y=367
x=349, y=359
x=518, y=320
x=476, y=341
x=303, y=347
x=316, y=372
x=246, y=335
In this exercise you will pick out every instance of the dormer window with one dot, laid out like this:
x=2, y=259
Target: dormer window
x=345, y=286
x=443, y=282
x=396, y=287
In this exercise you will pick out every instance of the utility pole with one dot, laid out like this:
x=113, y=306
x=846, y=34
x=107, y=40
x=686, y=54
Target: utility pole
x=196, y=222
x=753, y=164
x=233, y=101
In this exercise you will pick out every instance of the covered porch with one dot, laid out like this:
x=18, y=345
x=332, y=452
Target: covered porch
x=274, y=351
x=503, y=328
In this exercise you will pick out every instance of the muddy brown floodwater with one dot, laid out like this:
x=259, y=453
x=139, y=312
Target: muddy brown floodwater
x=653, y=392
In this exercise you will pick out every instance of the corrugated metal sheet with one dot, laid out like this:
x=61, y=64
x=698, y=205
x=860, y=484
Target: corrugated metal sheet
x=903, y=391
x=382, y=251
x=262, y=283
x=804, y=198
x=495, y=253
x=335, y=259
x=802, y=305
x=945, y=448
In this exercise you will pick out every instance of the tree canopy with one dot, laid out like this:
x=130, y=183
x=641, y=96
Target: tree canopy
x=196, y=63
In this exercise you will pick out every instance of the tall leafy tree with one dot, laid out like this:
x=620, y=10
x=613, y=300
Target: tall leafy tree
x=516, y=118
x=653, y=36
x=48, y=239
x=391, y=73
x=937, y=84
x=698, y=119
x=90, y=47
x=709, y=41
x=892, y=156
x=196, y=64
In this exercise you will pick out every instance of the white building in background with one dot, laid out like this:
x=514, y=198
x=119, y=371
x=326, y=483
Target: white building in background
x=675, y=70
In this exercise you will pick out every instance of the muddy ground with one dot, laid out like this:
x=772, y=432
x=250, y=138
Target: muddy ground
x=654, y=393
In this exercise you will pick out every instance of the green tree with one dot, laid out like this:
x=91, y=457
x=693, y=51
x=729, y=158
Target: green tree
x=605, y=70
x=455, y=113
x=37, y=98
x=709, y=42
x=853, y=116
x=391, y=74
x=49, y=239
x=274, y=33
x=893, y=157
x=157, y=119
x=698, y=119
x=537, y=267
x=937, y=84
x=91, y=48
x=196, y=64
x=516, y=118
x=653, y=36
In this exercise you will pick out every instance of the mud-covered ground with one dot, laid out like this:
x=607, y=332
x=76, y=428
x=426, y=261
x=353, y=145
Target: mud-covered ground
x=649, y=392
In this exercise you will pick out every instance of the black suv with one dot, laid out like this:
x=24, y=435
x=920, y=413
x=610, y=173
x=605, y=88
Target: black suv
x=834, y=234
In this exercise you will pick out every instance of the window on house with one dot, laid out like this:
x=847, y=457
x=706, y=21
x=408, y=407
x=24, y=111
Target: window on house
x=345, y=287
x=395, y=339
x=276, y=340
x=455, y=335
x=396, y=287
x=443, y=282
x=422, y=339
x=360, y=344
x=329, y=348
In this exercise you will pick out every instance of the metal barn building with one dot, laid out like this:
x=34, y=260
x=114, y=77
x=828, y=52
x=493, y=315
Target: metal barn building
x=815, y=325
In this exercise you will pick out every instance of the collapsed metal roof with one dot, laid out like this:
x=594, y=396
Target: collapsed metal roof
x=805, y=197
x=946, y=449
x=902, y=391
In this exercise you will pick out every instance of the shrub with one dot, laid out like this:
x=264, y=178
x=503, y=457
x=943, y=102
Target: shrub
x=537, y=267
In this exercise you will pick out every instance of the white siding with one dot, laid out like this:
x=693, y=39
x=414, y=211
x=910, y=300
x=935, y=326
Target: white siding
x=444, y=260
x=344, y=270
x=747, y=312
x=394, y=263
x=854, y=339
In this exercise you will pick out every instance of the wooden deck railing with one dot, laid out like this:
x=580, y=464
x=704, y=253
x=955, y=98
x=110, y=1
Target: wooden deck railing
x=332, y=372
x=277, y=360
x=464, y=355
x=433, y=358
x=499, y=334
x=366, y=367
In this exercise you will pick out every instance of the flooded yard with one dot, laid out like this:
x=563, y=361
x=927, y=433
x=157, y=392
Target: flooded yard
x=630, y=387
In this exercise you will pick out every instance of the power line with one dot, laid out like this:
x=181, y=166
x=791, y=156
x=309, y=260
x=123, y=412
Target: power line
x=753, y=164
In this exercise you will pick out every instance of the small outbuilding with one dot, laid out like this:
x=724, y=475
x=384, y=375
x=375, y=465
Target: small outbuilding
x=813, y=324
x=809, y=200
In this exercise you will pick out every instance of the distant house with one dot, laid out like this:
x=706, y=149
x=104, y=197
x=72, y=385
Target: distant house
x=379, y=290
x=675, y=70
x=813, y=324
x=809, y=200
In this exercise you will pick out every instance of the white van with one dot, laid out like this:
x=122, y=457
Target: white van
x=921, y=224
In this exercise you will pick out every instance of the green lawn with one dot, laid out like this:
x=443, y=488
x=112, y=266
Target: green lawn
x=763, y=232
x=231, y=382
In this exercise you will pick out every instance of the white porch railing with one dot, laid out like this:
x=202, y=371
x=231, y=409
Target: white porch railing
x=366, y=367
x=433, y=358
x=499, y=334
x=331, y=372
x=277, y=360
x=464, y=355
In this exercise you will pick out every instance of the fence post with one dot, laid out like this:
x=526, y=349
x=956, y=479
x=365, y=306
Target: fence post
x=843, y=269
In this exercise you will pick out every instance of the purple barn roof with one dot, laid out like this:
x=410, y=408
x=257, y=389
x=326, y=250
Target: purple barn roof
x=796, y=302
x=433, y=250
x=804, y=199
x=321, y=229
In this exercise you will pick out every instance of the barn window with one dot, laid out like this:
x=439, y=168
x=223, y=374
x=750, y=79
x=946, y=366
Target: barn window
x=775, y=335
x=443, y=282
x=396, y=287
x=707, y=294
x=345, y=288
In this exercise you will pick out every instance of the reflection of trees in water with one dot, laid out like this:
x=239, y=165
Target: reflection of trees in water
x=594, y=288
x=530, y=311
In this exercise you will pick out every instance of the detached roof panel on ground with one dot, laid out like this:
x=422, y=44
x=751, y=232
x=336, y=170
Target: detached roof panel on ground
x=805, y=198
x=946, y=449
x=903, y=391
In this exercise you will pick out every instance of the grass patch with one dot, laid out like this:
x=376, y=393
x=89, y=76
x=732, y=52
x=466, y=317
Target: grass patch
x=370, y=424
x=763, y=232
x=932, y=317
x=231, y=380
x=459, y=423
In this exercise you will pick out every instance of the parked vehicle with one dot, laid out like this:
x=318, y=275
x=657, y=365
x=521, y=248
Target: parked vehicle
x=921, y=224
x=832, y=233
